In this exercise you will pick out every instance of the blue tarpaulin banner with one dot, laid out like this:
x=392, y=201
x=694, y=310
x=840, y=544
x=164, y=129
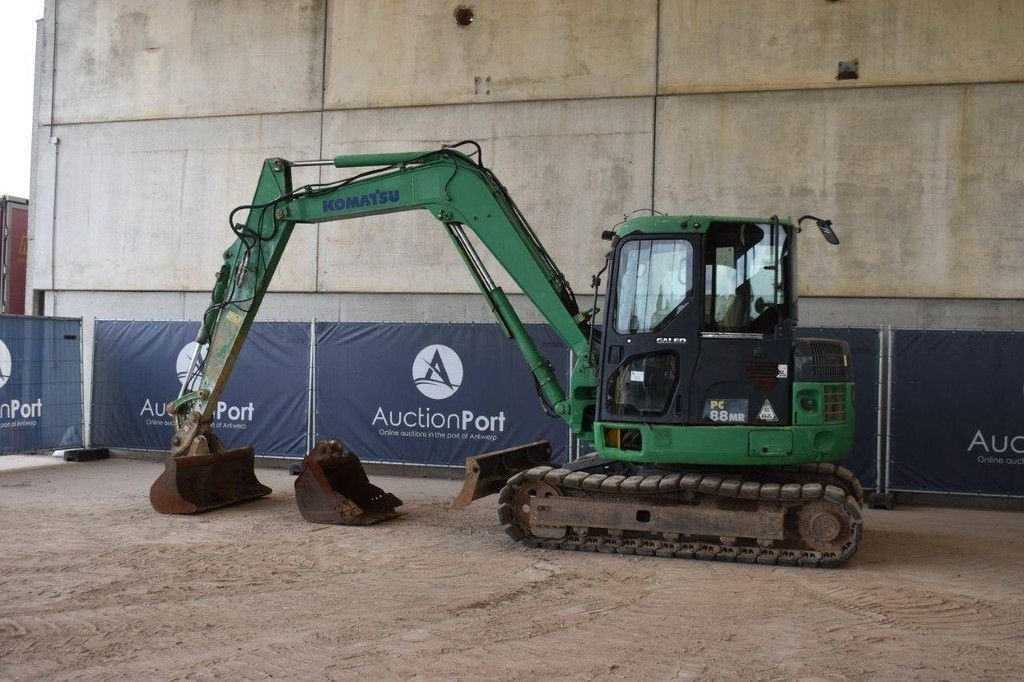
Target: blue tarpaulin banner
x=432, y=393
x=40, y=383
x=864, y=349
x=139, y=367
x=957, y=412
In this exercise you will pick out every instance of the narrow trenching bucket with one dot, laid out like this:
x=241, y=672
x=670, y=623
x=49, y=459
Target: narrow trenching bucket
x=333, y=488
x=486, y=474
x=193, y=483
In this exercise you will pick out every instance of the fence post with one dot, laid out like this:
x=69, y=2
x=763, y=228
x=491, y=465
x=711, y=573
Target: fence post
x=878, y=412
x=888, y=405
x=86, y=425
x=311, y=385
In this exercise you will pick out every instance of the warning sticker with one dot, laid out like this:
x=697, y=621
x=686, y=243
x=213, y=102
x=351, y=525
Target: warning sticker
x=767, y=413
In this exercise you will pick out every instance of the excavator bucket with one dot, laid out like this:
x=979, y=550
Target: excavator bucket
x=333, y=488
x=193, y=483
x=487, y=473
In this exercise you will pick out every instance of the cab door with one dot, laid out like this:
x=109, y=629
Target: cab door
x=651, y=330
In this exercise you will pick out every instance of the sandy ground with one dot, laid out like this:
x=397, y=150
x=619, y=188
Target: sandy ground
x=96, y=585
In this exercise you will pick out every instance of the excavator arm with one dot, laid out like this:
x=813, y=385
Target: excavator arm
x=459, y=192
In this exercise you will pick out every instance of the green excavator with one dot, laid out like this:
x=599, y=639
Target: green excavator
x=715, y=428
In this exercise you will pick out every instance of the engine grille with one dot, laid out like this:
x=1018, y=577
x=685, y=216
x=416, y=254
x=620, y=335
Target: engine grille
x=828, y=359
x=835, y=404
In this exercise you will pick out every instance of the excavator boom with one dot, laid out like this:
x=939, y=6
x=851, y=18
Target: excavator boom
x=459, y=192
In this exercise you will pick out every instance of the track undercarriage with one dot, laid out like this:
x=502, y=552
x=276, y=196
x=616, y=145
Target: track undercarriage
x=807, y=515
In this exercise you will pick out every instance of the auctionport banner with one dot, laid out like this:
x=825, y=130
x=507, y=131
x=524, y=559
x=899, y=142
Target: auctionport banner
x=957, y=412
x=432, y=393
x=139, y=368
x=40, y=383
x=864, y=349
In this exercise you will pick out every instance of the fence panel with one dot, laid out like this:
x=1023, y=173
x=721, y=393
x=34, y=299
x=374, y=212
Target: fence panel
x=865, y=347
x=139, y=367
x=957, y=412
x=40, y=383
x=432, y=393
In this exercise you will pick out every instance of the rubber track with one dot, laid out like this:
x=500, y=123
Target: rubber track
x=836, y=486
x=840, y=475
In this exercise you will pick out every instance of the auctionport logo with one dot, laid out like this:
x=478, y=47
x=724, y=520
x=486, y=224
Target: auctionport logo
x=5, y=364
x=225, y=416
x=185, y=359
x=437, y=371
x=15, y=409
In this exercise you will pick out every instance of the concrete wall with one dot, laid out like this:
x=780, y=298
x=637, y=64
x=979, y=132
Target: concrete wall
x=148, y=201
x=924, y=183
x=152, y=118
x=733, y=46
x=143, y=59
x=391, y=53
x=587, y=110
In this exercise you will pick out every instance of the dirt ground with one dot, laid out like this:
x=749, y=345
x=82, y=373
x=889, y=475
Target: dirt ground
x=96, y=585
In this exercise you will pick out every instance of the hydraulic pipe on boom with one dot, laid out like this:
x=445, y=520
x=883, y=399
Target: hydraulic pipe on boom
x=460, y=192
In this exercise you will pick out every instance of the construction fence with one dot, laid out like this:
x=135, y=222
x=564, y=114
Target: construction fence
x=396, y=393
x=40, y=383
x=936, y=410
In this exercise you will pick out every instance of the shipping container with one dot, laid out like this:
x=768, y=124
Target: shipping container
x=13, y=254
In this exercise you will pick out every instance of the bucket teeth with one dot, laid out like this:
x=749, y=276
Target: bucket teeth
x=200, y=480
x=333, y=488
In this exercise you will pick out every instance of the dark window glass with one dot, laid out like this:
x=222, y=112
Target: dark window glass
x=644, y=385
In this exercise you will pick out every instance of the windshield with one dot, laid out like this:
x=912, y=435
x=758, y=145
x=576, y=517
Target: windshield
x=654, y=281
x=745, y=290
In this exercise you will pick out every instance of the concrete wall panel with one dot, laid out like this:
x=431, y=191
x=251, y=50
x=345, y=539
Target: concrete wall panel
x=40, y=216
x=573, y=167
x=916, y=313
x=409, y=52
x=924, y=183
x=144, y=205
x=42, y=95
x=715, y=46
x=137, y=59
x=43, y=164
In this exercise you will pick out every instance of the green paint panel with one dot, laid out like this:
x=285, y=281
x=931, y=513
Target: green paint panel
x=766, y=442
x=728, y=445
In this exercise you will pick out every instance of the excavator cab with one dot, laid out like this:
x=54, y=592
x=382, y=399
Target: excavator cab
x=698, y=307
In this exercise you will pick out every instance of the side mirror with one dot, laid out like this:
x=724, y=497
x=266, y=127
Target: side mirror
x=825, y=226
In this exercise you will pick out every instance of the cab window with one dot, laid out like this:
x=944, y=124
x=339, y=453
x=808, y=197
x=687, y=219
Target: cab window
x=654, y=282
x=745, y=285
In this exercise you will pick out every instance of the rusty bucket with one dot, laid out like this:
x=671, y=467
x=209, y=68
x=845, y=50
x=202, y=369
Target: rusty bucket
x=194, y=482
x=487, y=473
x=333, y=488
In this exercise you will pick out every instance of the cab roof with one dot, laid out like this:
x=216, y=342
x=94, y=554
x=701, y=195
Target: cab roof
x=669, y=224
